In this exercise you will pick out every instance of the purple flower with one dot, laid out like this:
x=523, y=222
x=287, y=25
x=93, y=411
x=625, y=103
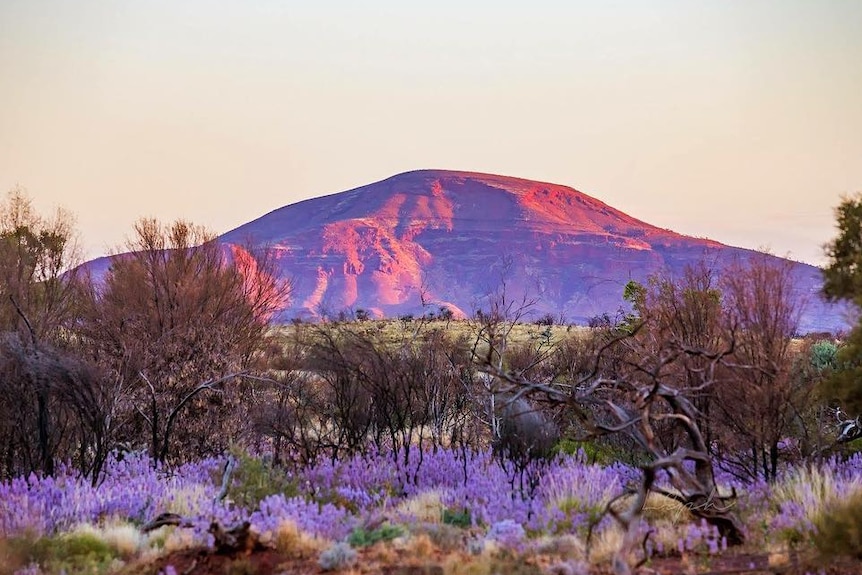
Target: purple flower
x=507, y=533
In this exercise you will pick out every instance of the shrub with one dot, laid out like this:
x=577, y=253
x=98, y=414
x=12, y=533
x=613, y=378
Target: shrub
x=426, y=506
x=459, y=518
x=601, y=452
x=447, y=538
x=72, y=553
x=839, y=528
x=291, y=540
x=360, y=537
x=338, y=556
x=122, y=539
x=824, y=355
x=591, y=451
x=805, y=495
x=507, y=533
x=526, y=434
x=255, y=479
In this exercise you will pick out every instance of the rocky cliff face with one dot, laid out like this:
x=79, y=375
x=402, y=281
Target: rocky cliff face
x=453, y=238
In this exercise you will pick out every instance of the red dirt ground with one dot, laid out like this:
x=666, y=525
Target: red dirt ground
x=392, y=562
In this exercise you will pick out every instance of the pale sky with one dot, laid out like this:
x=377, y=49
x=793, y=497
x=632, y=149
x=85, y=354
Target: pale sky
x=735, y=120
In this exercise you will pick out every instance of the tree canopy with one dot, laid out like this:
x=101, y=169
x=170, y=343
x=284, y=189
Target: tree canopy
x=842, y=277
x=842, y=280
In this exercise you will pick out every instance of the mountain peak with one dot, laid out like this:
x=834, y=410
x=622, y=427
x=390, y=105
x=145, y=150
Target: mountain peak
x=452, y=237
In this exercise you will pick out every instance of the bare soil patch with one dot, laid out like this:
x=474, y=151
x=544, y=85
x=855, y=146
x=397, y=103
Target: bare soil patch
x=386, y=560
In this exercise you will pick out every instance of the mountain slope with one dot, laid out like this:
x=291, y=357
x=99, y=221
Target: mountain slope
x=452, y=238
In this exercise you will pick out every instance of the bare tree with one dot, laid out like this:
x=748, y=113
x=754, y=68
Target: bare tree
x=38, y=279
x=761, y=397
x=177, y=319
x=686, y=310
x=634, y=400
x=644, y=381
x=39, y=289
x=56, y=407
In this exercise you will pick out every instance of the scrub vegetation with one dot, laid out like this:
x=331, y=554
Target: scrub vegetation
x=157, y=421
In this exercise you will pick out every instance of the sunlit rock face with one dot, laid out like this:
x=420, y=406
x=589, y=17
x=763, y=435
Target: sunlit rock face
x=453, y=239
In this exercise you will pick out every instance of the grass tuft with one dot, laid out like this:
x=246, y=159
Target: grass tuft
x=426, y=507
x=75, y=553
x=292, y=541
x=839, y=528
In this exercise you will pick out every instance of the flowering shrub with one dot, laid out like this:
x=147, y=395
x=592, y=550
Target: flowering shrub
x=326, y=500
x=132, y=489
x=792, y=505
x=323, y=520
x=472, y=489
x=507, y=533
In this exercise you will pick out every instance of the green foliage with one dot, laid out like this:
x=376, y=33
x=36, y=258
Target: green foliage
x=72, y=553
x=254, y=480
x=839, y=528
x=591, y=452
x=824, y=356
x=634, y=293
x=842, y=277
x=458, y=518
x=361, y=537
x=578, y=515
x=843, y=386
x=595, y=452
x=842, y=280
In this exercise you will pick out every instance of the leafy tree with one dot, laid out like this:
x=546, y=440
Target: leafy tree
x=842, y=277
x=842, y=280
x=361, y=314
x=635, y=293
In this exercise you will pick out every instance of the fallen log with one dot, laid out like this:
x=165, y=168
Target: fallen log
x=166, y=519
x=239, y=538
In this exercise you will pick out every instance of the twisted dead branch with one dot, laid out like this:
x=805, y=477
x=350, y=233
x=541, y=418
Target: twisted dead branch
x=641, y=395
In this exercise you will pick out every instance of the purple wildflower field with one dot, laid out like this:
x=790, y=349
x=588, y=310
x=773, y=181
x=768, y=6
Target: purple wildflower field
x=336, y=497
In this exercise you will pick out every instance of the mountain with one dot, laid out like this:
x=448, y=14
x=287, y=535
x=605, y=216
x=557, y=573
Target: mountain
x=454, y=238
